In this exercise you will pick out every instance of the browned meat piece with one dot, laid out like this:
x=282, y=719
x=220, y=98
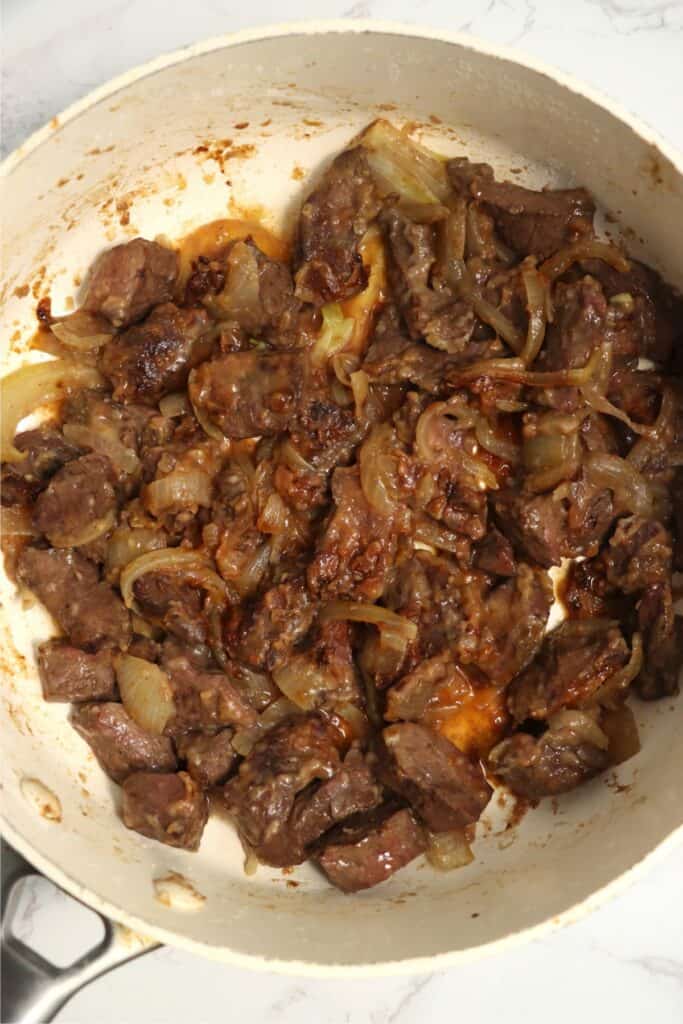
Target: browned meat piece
x=210, y=759
x=121, y=746
x=357, y=546
x=648, y=326
x=537, y=223
x=446, y=323
x=294, y=753
x=638, y=554
x=393, y=359
x=257, y=294
x=174, y=603
x=144, y=647
x=662, y=643
x=246, y=394
x=576, y=660
x=279, y=620
x=637, y=392
x=90, y=613
x=368, y=852
x=204, y=699
x=560, y=760
x=126, y=281
x=69, y=674
x=502, y=635
x=586, y=592
x=79, y=500
x=46, y=451
x=168, y=807
x=432, y=679
x=323, y=673
x=155, y=357
x=549, y=528
x=494, y=554
x=352, y=790
x=677, y=501
x=333, y=221
x=578, y=329
x=445, y=787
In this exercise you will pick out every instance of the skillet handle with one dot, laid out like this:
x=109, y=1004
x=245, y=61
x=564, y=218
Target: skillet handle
x=34, y=990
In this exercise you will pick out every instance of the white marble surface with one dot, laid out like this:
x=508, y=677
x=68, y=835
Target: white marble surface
x=625, y=963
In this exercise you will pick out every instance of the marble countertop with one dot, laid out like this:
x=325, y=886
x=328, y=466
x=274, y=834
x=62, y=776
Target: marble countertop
x=625, y=962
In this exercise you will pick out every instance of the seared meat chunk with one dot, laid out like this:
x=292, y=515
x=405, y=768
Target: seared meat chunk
x=175, y=603
x=353, y=789
x=662, y=641
x=638, y=554
x=69, y=674
x=537, y=223
x=494, y=554
x=372, y=849
x=576, y=660
x=561, y=759
x=445, y=787
x=323, y=673
x=333, y=221
x=549, y=527
x=90, y=613
x=126, y=281
x=257, y=293
x=121, y=746
x=79, y=503
x=203, y=698
x=356, y=548
x=278, y=621
x=165, y=806
x=155, y=357
x=246, y=394
x=210, y=758
x=577, y=331
x=45, y=451
x=295, y=753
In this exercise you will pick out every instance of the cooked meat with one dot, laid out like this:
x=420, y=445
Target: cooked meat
x=576, y=659
x=246, y=394
x=165, y=806
x=91, y=613
x=445, y=787
x=371, y=850
x=121, y=746
x=558, y=761
x=79, y=500
x=69, y=674
x=155, y=357
x=292, y=755
x=333, y=221
x=662, y=641
x=357, y=547
x=278, y=621
x=128, y=280
x=210, y=757
x=353, y=789
x=174, y=603
x=494, y=554
x=638, y=555
x=504, y=633
x=203, y=698
x=46, y=451
x=338, y=482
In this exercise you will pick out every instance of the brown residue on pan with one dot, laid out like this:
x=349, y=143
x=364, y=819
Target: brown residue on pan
x=97, y=151
x=47, y=803
x=298, y=173
x=123, y=209
x=21, y=291
x=241, y=124
x=387, y=106
x=54, y=122
x=223, y=150
x=434, y=119
x=62, y=182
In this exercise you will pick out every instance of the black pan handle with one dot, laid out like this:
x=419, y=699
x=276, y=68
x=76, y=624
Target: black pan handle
x=34, y=990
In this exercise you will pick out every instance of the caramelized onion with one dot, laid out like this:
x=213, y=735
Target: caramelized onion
x=560, y=262
x=400, y=165
x=244, y=739
x=448, y=851
x=181, y=489
x=513, y=370
x=536, y=305
x=619, y=725
x=489, y=438
x=16, y=521
x=460, y=278
x=375, y=614
x=146, y=693
x=377, y=463
x=91, y=531
x=82, y=331
x=631, y=490
x=104, y=439
x=126, y=544
x=580, y=723
x=615, y=687
x=28, y=389
x=187, y=563
x=335, y=334
x=175, y=404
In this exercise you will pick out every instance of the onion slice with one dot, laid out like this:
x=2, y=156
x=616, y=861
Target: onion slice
x=514, y=370
x=32, y=387
x=561, y=261
x=146, y=693
x=82, y=331
x=376, y=615
x=188, y=563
